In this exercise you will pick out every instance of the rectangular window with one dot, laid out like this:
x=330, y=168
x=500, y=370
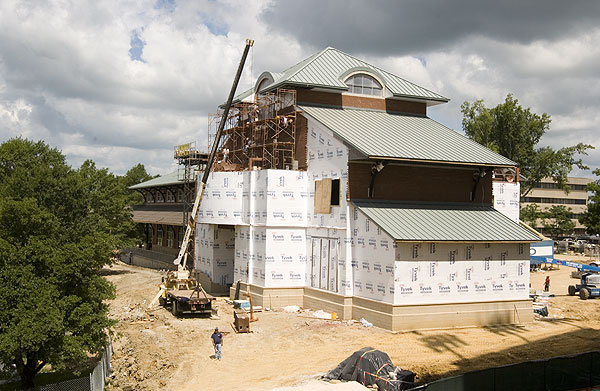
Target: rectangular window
x=180, y=232
x=159, y=235
x=415, y=251
x=521, y=248
x=170, y=236
x=468, y=255
x=487, y=245
x=179, y=195
x=452, y=257
x=503, y=258
x=170, y=196
x=432, y=248
x=323, y=196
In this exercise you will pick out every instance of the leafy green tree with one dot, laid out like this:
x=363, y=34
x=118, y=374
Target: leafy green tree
x=557, y=221
x=136, y=174
x=514, y=132
x=52, y=297
x=591, y=217
x=531, y=214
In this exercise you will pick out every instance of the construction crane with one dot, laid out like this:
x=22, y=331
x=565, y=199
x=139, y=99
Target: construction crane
x=590, y=281
x=179, y=289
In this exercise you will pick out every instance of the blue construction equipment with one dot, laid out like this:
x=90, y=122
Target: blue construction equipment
x=590, y=281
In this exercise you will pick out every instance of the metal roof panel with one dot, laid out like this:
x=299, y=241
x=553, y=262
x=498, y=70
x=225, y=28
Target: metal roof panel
x=385, y=135
x=442, y=222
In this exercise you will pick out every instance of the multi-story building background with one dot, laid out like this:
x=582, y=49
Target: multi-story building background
x=548, y=194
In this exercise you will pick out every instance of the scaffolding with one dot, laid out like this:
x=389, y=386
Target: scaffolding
x=190, y=161
x=259, y=134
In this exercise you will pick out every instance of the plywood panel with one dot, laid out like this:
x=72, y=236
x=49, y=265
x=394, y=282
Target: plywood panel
x=323, y=196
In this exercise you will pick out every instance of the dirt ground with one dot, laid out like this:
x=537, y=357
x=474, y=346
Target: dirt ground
x=153, y=350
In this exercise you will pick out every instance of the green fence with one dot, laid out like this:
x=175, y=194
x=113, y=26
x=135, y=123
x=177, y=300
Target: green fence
x=554, y=374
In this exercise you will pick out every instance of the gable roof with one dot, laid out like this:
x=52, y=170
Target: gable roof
x=379, y=134
x=171, y=178
x=328, y=68
x=447, y=222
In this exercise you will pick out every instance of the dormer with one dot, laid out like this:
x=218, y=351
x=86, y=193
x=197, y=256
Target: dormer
x=365, y=82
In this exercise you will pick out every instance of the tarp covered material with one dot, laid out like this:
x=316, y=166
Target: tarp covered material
x=371, y=366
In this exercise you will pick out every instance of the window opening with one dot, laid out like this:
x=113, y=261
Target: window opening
x=335, y=192
x=364, y=84
x=159, y=235
x=170, y=236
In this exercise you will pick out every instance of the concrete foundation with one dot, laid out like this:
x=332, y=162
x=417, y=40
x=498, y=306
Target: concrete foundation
x=394, y=317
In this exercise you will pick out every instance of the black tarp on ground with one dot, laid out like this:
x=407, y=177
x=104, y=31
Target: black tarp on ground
x=371, y=366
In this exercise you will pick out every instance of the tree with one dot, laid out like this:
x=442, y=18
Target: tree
x=531, y=214
x=136, y=174
x=514, y=132
x=52, y=297
x=591, y=217
x=557, y=221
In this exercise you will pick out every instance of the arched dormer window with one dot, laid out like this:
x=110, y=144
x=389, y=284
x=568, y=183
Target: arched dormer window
x=364, y=84
x=263, y=83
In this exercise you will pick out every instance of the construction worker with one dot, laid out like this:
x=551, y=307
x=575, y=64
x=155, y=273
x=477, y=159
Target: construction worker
x=547, y=284
x=217, y=340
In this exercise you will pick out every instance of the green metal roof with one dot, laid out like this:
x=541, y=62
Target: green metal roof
x=444, y=222
x=329, y=68
x=163, y=180
x=378, y=134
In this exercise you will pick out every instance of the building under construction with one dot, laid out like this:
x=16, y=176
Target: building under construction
x=333, y=190
x=260, y=134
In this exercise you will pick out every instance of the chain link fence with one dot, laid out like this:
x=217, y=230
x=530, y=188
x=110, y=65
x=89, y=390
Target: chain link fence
x=95, y=381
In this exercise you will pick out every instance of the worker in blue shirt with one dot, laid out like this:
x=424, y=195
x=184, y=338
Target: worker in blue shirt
x=217, y=340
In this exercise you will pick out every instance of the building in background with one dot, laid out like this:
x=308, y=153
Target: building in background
x=162, y=215
x=548, y=194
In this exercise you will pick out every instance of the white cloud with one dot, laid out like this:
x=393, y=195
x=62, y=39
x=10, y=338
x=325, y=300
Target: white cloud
x=66, y=75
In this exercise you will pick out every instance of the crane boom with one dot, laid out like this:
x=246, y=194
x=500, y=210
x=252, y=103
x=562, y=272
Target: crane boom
x=580, y=266
x=181, y=259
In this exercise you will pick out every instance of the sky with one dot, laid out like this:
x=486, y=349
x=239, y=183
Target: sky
x=122, y=82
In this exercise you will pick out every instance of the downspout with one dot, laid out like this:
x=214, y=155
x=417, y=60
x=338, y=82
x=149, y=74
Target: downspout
x=477, y=177
x=377, y=167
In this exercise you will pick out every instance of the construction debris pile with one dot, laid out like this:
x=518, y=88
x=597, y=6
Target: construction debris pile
x=370, y=366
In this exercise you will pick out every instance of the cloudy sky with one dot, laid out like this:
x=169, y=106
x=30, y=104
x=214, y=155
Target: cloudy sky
x=123, y=81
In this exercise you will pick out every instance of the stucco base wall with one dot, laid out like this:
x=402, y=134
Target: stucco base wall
x=150, y=263
x=317, y=299
x=209, y=286
x=394, y=317
x=462, y=315
x=270, y=297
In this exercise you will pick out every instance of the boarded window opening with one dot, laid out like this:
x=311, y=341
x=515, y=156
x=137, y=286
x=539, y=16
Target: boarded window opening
x=323, y=196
